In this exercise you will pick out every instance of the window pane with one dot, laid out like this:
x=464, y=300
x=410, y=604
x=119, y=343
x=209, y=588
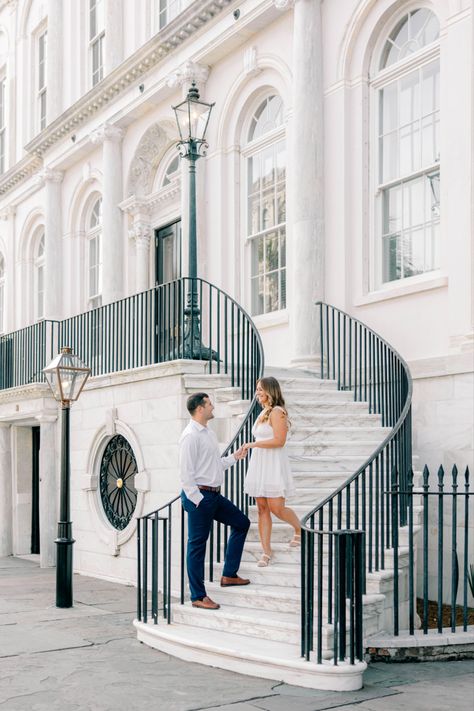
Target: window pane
x=257, y=296
x=1, y=307
x=254, y=174
x=268, y=209
x=413, y=204
x=389, y=108
x=271, y=251
x=268, y=164
x=391, y=258
x=282, y=248
x=389, y=166
x=97, y=61
x=414, y=31
x=283, y=289
x=254, y=225
x=271, y=292
x=413, y=253
x=267, y=117
x=257, y=256
x=392, y=210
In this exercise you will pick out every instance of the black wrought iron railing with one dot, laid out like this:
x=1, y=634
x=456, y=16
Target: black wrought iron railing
x=360, y=361
x=228, y=332
x=24, y=354
x=440, y=511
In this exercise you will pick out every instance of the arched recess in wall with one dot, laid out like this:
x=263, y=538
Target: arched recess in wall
x=149, y=151
x=85, y=194
x=269, y=78
x=110, y=536
x=33, y=225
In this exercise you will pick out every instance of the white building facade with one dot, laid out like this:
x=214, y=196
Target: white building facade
x=340, y=168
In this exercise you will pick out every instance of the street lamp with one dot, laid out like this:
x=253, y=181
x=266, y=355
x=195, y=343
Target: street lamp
x=66, y=376
x=192, y=117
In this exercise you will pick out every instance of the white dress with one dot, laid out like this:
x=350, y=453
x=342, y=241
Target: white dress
x=269, y=472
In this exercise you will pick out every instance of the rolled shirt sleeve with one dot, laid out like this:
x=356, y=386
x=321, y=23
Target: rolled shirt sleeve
x=228, y=461
x=187, y=460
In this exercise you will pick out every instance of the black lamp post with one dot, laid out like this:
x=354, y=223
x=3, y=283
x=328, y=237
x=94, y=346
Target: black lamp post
x=66, y=376
x=192, y=117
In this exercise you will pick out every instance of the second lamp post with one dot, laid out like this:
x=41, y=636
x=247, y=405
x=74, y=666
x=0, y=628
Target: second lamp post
x=192, y=117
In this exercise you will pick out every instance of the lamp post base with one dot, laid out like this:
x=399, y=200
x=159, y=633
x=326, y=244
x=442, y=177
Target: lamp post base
x=193, y=349
x=64, y=551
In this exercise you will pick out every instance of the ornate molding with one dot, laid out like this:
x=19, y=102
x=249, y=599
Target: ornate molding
x=284, y=4
x=49, y=175
x=187, y=73
x=8, y=212
x=251, y=67
x=152, y=146
x=141, y=233
x=107, y=132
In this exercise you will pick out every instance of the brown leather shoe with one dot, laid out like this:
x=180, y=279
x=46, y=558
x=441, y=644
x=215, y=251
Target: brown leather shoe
x=206, y=604
x=228, y=582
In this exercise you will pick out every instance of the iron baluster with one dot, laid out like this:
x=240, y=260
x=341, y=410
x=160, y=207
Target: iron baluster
x=454, y=552
x=440, y=548
x=466, y=542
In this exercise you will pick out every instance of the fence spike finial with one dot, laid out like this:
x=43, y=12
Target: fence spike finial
x=426, y=476
x=410, y=478
x=455, y=477
x=440, y=477
x=466, y=476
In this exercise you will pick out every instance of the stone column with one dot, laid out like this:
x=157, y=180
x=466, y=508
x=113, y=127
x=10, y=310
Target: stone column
x=55, y=60
x=48, y=490
x=112, y=233
x=141, y=233
x=6, y=504
x=306, y=186
x=53, y=267
x=113, y=34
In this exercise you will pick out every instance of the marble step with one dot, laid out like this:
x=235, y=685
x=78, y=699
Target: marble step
x=282, y=553
x=316, y=406
x=262, y=658
x=315, y=446
x=330, y=462
x=264, y=623
x=268, y=597
x=303, y=395
x=199, y=381
x=335, y=419
x=337, y=433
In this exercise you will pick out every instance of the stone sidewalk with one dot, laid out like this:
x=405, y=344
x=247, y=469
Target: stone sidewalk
x=87, y=659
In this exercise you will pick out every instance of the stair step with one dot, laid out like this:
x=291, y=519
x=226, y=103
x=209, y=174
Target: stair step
x=336, y=419
x=315, y=447
x=330, y=462
x=337, y=433
x=265, y=659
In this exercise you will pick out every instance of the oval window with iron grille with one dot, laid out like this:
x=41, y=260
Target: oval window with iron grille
x=117, y=482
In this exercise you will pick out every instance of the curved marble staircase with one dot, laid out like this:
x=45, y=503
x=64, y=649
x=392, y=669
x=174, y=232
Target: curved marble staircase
x=257, y=629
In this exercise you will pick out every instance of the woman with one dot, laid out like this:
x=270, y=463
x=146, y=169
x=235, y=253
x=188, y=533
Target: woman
x=269, y=477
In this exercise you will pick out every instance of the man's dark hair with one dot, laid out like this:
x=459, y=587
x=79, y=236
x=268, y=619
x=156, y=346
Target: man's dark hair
x=194, y=401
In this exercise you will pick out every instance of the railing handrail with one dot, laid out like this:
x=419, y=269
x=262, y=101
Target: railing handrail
x=156, y=511
x=391, y=435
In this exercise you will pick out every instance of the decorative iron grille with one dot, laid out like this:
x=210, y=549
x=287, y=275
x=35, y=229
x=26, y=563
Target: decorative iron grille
x=117, y=487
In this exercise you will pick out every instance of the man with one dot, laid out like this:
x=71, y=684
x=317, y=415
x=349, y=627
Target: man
x=202, y=470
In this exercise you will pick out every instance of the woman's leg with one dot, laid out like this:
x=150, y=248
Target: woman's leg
x=284, y=513
x=264, y=524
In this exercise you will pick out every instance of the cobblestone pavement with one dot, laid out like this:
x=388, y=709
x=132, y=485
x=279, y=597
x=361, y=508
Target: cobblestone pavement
x=87, y=659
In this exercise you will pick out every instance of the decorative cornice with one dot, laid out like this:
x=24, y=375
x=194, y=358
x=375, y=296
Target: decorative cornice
x=251, y=68
x=187, y=73
x=140, y=206
x=107, y=132
x=130, y=72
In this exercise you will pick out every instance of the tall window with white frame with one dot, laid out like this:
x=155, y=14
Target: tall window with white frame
x=94, y=256
x=2, y=124
x=265, y=157
x=96, y=39
x=41, y=73
x=406, y=86
x=2, y=294
x=167, y=10
x=39, y=276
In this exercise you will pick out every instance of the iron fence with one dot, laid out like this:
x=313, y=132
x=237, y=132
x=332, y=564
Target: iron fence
x=24, y=353
x=427, y=513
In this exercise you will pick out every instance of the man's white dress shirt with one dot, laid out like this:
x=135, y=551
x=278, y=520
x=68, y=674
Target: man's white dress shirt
x=200, y=461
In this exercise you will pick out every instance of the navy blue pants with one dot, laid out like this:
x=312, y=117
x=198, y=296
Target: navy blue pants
x=213, y=507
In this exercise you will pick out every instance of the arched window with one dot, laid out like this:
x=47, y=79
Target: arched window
x=96, y=40
x=265, y=156
x=171, y=172
x=94, y=255
x=2, y=293
x=406, y=85
x=39, y=276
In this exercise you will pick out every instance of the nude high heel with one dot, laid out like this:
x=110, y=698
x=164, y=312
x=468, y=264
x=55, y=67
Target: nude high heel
x=264, y=561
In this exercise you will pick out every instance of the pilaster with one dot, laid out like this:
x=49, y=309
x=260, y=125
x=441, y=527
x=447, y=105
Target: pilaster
x=10, y=317
x=53, y=267
x=110, y=137
x=6, y=504
x=49, y=487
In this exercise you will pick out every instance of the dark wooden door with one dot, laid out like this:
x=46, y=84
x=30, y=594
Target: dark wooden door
x=35, y=496
x=168, y=298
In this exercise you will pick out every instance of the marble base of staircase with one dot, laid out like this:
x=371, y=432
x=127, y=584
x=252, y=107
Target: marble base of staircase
x=265, y=659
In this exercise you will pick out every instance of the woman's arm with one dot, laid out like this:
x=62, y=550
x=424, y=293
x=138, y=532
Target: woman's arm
x=279, y=424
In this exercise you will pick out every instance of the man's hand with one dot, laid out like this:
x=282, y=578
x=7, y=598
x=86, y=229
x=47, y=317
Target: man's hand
x=240, y=453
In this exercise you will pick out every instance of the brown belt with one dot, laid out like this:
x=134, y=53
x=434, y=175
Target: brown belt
x=216, y=489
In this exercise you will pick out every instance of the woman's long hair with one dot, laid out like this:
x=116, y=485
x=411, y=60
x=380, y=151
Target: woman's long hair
x=275, y=398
